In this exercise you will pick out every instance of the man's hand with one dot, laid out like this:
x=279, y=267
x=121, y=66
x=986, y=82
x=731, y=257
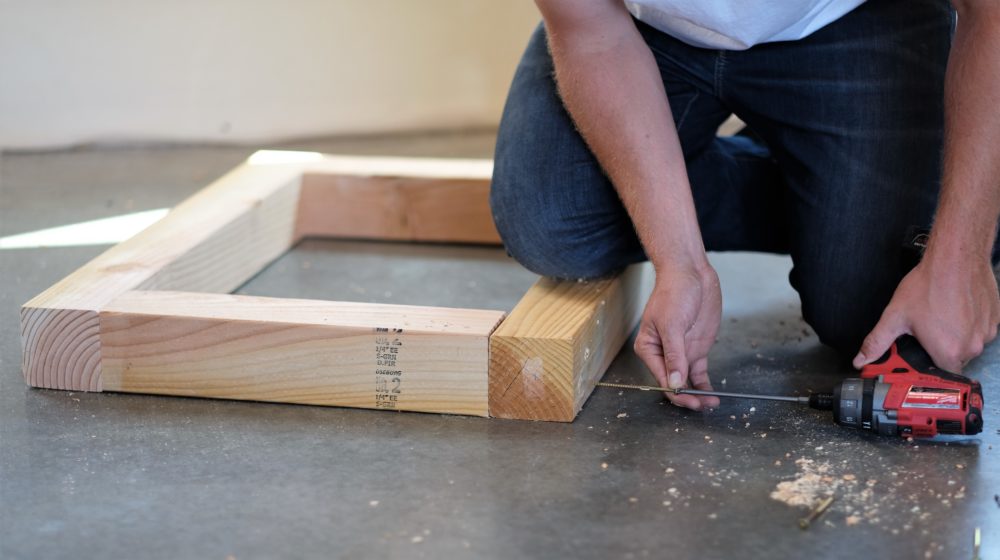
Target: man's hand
x=678, y=328
x=949, y=301
x=953, y=312
x=610, y=84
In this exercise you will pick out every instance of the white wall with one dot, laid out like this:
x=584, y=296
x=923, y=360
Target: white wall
x=74, y=71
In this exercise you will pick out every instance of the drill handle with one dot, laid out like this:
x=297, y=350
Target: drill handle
x=908, y=348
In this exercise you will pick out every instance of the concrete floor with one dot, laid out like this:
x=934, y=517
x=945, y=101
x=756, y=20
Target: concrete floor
x=113, y=475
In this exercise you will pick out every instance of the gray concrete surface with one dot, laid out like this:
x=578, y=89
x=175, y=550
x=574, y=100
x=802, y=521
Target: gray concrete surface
x=130, y=476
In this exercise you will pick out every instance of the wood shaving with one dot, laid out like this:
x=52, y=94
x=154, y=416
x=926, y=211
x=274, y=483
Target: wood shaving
x=809, y=487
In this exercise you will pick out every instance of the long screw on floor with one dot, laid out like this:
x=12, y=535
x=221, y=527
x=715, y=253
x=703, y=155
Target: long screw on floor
x=800, y=400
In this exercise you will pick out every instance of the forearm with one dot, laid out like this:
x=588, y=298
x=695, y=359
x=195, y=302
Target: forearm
x=609, y=83
x=966, y=220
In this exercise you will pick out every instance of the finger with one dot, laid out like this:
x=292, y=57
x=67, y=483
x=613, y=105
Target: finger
x=946, y=353
x=947, y=363
x=890, y=327
x=685, y=401
x=647, y=347
x=675, y=359
x=699, y=380
x=974, y=349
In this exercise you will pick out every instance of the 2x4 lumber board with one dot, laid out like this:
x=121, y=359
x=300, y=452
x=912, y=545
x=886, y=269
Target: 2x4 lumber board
x=379, y=356
x=213, y=241
x=548, y=354
x=400, y=199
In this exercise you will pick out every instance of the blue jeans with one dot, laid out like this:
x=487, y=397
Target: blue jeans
x=844, y=156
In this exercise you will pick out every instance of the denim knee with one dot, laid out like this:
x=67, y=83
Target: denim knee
x=554, y=260
x=543, y=241
x=842, y=307
x=842, y=332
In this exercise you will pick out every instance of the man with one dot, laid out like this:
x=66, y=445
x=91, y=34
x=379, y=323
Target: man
x=865, y=120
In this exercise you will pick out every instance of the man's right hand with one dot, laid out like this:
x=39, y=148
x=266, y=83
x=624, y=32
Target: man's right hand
x=678, y=328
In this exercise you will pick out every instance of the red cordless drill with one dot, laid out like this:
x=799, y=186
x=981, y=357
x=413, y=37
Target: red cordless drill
x=902, y=393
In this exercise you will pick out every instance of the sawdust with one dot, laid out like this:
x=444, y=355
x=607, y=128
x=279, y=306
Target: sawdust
x=812, y=484
x=911, y=498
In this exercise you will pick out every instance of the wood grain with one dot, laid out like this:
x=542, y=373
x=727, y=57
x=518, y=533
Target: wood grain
x=220, y=237
x=400, y=199
x=214, y=240
x=547, y=355
x=300, y=351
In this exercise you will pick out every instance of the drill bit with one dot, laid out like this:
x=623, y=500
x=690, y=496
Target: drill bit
x=699, y=392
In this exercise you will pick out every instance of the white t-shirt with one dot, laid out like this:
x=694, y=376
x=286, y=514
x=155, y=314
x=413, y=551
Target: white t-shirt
x=738, y=24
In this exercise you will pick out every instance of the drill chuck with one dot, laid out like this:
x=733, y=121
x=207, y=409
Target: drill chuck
x=821, y=401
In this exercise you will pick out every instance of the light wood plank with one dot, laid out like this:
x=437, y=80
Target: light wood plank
x=224, y=234
x=547, y=356
x=300, y=351
x=401, y=199
x=213, y=241
x=414, y=167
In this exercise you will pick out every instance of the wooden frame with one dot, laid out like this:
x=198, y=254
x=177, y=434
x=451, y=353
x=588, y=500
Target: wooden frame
x=153, y=314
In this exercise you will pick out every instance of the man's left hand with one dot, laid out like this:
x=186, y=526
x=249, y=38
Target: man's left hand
x=953, y=311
